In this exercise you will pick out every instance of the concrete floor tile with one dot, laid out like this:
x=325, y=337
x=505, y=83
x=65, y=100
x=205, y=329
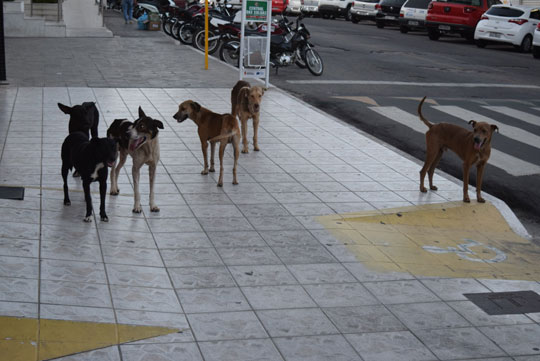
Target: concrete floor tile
x=425, y=316
x=515, y=339
x=201, y=277
x=321, y=273
x=218, y=326
x=340, y=295
x=478, y=317
x=257, y=275
x=145, y=299
x=360, y=319
x=165, y=352
x=273, y=297
x=296, y=322
x=318, y=348
x=240, y=350
x=75, y=294
x=212, y=300
x=393, y=292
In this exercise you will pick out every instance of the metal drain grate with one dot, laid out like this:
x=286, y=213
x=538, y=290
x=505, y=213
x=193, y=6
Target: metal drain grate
x=506, y=303
x=12, y=193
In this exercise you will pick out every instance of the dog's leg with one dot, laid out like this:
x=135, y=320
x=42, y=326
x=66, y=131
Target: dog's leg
x=204, y=146
x=236, y=148
x=479, y=175
x=136, y=172
x=102, y=195
x=88, y=199
x=431, y=170
x=255, y=132
x=243, y=122
x=152, y=174
x=115, y=172
x=466, y=168
x=431, y=155
x=65, y=171
x=212, y=151
x=222, y=146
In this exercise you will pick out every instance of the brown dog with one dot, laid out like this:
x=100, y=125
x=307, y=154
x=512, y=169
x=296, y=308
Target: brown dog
x=246, y=103
x=472, y=147
x=212, y=127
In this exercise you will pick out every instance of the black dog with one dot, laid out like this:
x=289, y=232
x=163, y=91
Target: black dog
x=82, y=118
x=91, y=159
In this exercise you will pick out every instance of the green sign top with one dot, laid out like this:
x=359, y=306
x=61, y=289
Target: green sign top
x=256, y=10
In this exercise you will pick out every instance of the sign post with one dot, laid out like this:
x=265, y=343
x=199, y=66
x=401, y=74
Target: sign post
x=255, y=11
x=3, y=79
x=205, y=34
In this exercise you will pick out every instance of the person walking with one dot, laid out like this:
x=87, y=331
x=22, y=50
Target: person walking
x=127, y=7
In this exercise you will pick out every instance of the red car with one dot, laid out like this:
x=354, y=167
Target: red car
x=279, y=6
x=455, y=16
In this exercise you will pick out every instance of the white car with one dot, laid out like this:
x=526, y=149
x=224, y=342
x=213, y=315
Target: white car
x=364, y=10
x=508, y=24
x=412, y=15
x=310, y=7
x=335, y=8
x=294, y=7
x=536, y=42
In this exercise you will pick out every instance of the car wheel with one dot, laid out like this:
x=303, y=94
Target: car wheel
x=536, y=51
x=380, y=24
x=325, y=16
x=404, y=29
x=526, y=44
x=481, y=43
x=355, y=20
x=434, y=34
x=348, y=13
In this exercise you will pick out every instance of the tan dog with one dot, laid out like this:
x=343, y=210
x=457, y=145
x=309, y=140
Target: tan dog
x=472, y=147
x=212, y=127
x=140, y=140
x=246, y=103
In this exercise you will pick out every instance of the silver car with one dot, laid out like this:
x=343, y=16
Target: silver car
x=364, y=10
x=310, y=7
x=412, y=15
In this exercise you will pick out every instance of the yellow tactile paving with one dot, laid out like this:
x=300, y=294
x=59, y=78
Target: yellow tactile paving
x=441, y=240
x=25, y=339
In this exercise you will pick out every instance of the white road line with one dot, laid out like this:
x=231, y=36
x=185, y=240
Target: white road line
x=406, y=83
x=518, y=114
x=506, y=162
x=537, y=108
x=509, y=131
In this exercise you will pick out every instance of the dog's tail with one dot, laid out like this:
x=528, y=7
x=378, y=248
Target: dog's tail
x=426, y=122
x=224, y=136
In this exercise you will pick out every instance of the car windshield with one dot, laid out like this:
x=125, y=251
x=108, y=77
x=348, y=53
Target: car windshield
x=369, y=1
x=466, y=2
x=417, y=4
x=505, y=12
x=392, y=2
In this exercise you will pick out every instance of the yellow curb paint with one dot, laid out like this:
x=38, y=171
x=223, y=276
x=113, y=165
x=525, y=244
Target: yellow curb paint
x=366, y=100
x=27, y=339
x=451, y=239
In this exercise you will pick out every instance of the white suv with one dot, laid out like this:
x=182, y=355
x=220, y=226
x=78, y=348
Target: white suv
x=335, y=8
x=310, y=7
x=294, y=7
x=364, y=10
x=412, y=15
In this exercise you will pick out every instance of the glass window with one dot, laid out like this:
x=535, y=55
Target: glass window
x=505, y=12
x=466, y=2
x=417, y=4
x=535, y=14
x=392, y=2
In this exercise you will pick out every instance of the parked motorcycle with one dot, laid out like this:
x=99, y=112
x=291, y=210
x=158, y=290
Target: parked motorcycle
x=292, y=46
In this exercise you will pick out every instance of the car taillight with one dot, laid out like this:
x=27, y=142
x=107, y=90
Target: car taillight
x=468, y=10
x=352, y=4
x=401, y=14
x=518, y=21
x=302, y=2
x=378, y=6
x=538, y=26
x=484, y=17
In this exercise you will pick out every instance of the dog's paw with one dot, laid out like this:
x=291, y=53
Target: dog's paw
x=467, y=200
x=256, y=148
x=104, y=218
x=433, y=188
x=87, y=219
x=481, y=200
x=114, y=192
x=220, y=184
x=67, y=203
x=212, y=169
x=235, y=183
x=423, y=189
x=245, y=151
x=137, y=209
x=204, y=172
x=154, y=209
x=76, y=174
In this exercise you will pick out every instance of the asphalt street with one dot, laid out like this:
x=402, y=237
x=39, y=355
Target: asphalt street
x=374, y=79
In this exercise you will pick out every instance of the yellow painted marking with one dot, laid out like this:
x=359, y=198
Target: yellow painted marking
x=19, y=337
x=441, y=240
x=366, y=100
x=428, y=100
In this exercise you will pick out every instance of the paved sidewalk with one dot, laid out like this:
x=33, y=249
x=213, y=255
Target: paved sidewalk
x=326, y=250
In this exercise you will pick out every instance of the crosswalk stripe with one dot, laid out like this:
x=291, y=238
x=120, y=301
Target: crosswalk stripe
x=518, y=114
x=506, y=162
x=509, y=131
x=537, y=108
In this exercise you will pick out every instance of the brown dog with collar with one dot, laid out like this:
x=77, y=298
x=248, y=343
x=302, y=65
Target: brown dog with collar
x=472, y=147
x=246, y=103
x=212, y=128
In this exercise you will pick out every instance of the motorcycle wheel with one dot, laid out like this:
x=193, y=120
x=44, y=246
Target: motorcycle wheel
x=300, y=60
x=185, y=34
x=175, y=29
x=198, y=41
x=168, y=25
x=314, y=62
x=230, y=55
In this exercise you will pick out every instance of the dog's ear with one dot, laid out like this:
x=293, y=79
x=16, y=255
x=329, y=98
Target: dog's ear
x=494, y=128
x=64, y=108
x=196, y=106
x=472, y=122
x=158, y=123
x=141, y=113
